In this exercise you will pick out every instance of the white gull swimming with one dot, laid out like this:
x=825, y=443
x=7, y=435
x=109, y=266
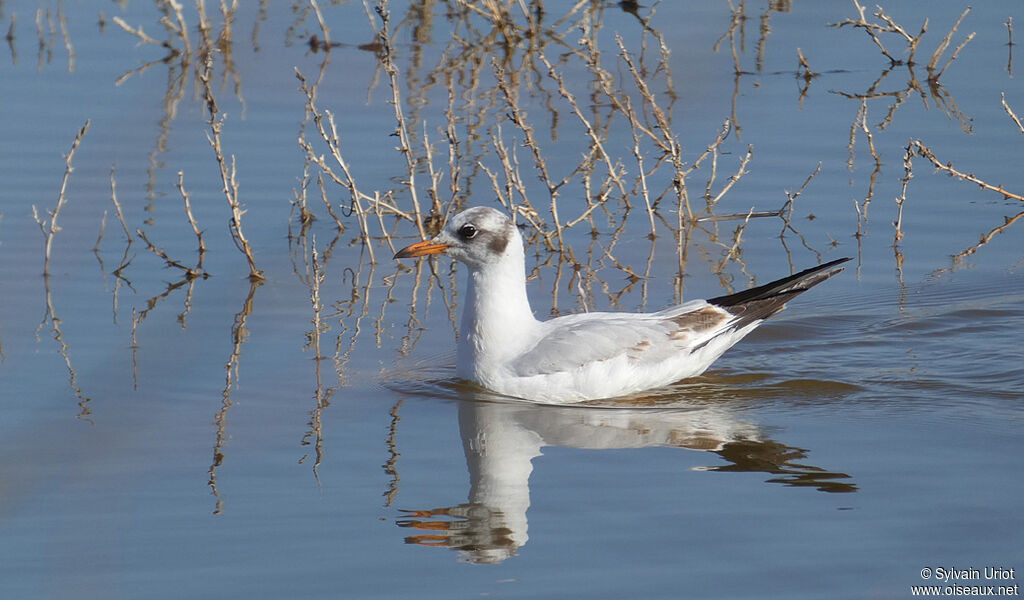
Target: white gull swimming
x=586, y=356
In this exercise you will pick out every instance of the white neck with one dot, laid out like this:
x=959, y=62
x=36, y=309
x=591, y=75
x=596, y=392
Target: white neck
x=498, y=324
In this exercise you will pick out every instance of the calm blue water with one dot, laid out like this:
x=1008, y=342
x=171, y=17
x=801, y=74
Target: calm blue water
x=167, y=439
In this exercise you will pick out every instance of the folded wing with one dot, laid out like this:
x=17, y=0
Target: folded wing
x=575, y=341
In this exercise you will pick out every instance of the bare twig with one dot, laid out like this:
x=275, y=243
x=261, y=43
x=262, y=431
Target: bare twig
x=518, y=119
x=170, y=261
x=786, y=212
x=50, y=228
x=191, y=221
x=986, y=238
x=139, y=33
x=872, y=29
x=1010, y=112
x=908, y=174
x=922, y=150
x=941, y=49
x=323, y=26
x=117, y=207
x=402, y=124
x=1010, y=45
x=807, y=74
x=227, y=173
x=99, y=238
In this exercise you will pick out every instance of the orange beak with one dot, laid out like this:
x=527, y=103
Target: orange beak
x=421, y=249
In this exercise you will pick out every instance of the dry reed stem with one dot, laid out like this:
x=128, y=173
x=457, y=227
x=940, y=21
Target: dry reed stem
x=807, y=75
x=908, y=174
x=435, y=177
x=591, y=133
x=916, y=147
x=873, y=29
x=941, y=49
x=139, y=33
x=356, y=197
x=624, y=105
x=189, y=273
x=735, y=177
x=405, y=149
x=737, y=17
x=862, y=120
x=125, y=260
x=227, y=174
x=99, y=239
x=869, y=28
x=201, y=250
x=50, y=228
x=712, y=150
x=625, y=269
x=734, y=250
x=1010, y=112
x=619, y=100
x=786, y=212
x=323, y=26
x=178, y=26
x=359, y=296
x=327, y=129
x=668, y=141
x=986, y=238
x=454, y=150
x=306, y=216
x=1010, y=44
x=327, y=203
x=642, y=176
x=921, y=150
x=117, y=207
x=514, y=183
x=518, y=119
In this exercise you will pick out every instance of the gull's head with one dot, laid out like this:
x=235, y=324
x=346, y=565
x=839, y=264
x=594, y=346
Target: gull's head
x=478, y=236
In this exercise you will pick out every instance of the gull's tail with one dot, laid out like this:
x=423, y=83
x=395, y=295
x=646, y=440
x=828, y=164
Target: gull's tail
x=765, y=300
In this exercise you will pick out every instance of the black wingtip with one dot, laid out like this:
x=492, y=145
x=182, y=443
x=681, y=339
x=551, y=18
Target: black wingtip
x=792, y=285
x=764, y=301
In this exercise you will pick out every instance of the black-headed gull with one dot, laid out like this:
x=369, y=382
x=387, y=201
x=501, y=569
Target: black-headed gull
x=587, y=356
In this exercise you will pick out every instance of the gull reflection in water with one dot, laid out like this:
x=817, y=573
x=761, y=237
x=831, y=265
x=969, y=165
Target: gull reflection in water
x=501, y=439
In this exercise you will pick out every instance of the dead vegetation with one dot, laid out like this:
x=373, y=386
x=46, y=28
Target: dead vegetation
x=492, y=132
x=881, y=32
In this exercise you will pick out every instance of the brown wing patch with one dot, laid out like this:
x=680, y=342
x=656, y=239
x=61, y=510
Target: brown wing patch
x=703, y=319
x=638, y=349
x=697, y=321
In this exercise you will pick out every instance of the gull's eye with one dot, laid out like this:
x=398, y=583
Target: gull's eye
x=467, y=232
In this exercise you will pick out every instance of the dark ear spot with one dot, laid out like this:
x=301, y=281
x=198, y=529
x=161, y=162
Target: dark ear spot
x=498, y=242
